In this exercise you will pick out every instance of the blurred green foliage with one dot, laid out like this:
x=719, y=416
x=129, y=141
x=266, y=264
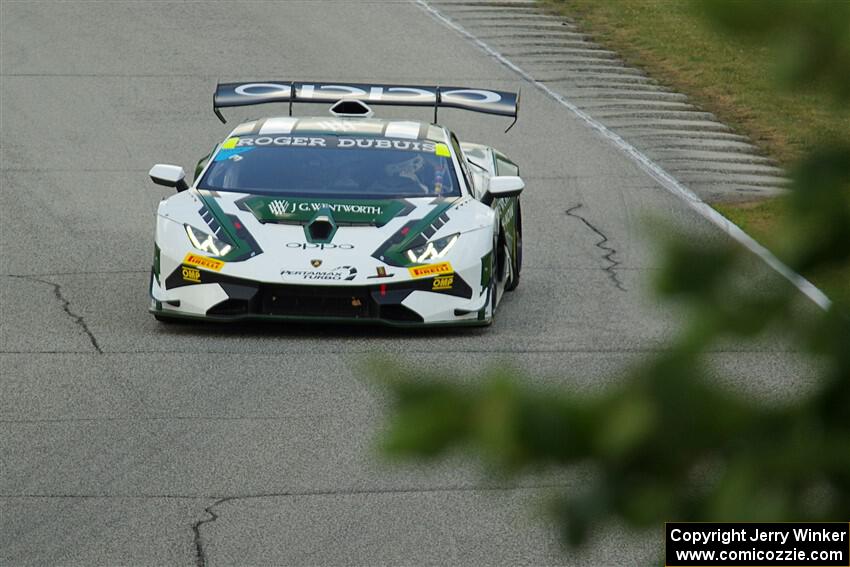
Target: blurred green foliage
x=811, y=38
x=668, y=443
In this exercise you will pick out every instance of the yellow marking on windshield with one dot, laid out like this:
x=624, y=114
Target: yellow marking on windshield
x=229, y=143
x=442, y=150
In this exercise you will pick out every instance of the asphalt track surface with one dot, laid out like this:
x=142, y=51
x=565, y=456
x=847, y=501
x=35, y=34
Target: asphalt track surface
x=123, y=441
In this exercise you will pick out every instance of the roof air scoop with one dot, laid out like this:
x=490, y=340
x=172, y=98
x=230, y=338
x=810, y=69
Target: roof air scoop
x=321, y=228
x=350, y=108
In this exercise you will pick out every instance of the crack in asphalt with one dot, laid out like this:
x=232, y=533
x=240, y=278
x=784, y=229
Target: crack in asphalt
x=611, y=269
x=66, y=307
x=200, y=553
x=212, y=516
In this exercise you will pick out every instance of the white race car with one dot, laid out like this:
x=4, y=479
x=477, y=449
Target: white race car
x=341, y=218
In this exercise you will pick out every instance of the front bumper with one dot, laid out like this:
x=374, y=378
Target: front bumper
x=420, y=302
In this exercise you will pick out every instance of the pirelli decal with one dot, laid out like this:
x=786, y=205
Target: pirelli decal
x=203, y=262
x=431, y=270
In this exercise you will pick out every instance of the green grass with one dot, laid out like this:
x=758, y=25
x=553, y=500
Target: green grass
x=761, y=219
x=733, y=78
x=758, y=219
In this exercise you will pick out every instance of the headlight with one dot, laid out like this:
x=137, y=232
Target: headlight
x=207, y=242
x=432, y=250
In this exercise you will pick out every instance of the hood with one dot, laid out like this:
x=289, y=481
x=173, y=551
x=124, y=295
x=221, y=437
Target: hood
x=376, y=231
x=292, y=210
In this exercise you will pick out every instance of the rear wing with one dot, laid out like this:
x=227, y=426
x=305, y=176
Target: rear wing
x=477, y=100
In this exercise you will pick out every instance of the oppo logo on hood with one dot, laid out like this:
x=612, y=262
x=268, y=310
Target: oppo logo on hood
x=313, y=246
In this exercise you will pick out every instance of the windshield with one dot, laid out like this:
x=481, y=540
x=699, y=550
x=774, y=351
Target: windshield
x=332, y=166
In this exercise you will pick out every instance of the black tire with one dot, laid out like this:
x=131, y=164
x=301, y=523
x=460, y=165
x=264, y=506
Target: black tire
x=516, y=262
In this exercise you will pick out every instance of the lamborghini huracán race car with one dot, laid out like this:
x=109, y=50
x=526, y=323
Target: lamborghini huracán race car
x=341, y=218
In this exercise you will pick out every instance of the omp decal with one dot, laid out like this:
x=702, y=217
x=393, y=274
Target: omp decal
x=191, y=274
x=442, y=283
x=187, y=275
x=395, y=292
x=229, y=143
x=431, y=270
x=442, y=150
x=203, y=262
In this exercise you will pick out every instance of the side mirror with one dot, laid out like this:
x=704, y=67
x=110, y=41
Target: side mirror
x=503, y=186
x=169, y=175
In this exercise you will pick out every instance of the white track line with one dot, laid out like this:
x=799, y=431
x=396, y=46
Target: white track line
x=647, y=164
